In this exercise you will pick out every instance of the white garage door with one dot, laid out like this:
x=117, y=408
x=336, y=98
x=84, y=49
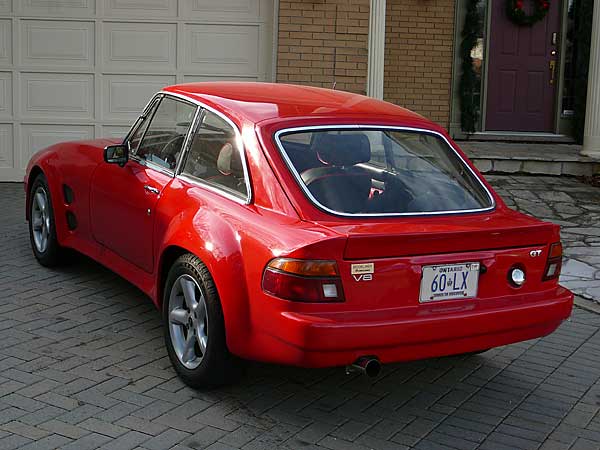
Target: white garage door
x=79, y=69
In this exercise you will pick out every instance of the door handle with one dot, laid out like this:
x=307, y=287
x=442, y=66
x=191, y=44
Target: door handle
x=151, y=189
x=552, y=71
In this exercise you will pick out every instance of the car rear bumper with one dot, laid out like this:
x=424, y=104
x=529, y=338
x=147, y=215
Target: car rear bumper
x=403, y=334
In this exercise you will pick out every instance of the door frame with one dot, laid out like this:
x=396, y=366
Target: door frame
x=561, y=124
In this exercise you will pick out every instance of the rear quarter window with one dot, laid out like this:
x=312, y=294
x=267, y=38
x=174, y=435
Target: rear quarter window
x=216, y=157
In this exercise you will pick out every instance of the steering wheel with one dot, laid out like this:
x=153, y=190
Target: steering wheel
x=167, y=154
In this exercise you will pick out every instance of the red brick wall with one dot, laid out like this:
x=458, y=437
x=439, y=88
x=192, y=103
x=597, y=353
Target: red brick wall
x=313, y=33
x=418, y=56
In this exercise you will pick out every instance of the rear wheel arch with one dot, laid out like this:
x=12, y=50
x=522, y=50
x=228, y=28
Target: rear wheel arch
x=198, y=322
x=233, y=296
x=167, y=258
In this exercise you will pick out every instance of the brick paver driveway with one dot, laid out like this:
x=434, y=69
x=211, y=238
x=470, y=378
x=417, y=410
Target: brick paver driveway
x=82, y=365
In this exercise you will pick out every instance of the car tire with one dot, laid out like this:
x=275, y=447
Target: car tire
x=42, y=224
x=196, y=320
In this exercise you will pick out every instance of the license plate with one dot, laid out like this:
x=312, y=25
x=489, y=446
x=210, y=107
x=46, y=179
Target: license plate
x=448, y=282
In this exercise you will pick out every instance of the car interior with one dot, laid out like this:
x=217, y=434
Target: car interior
x=160, y=137
x=162, y=147
x=338, y=181
x=213, y=157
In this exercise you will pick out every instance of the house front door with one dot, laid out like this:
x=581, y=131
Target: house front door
x=523, y=71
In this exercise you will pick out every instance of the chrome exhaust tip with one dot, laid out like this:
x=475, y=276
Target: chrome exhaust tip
x=367, y=365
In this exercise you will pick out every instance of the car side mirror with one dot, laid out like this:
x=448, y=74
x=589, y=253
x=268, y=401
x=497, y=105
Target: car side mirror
x=117, y=154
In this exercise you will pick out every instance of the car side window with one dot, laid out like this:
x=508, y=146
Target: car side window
x=163, y=137
x=215, y=157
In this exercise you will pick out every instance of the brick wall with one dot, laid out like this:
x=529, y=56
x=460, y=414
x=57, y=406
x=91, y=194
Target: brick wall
x=317, y=35
x=418, y=56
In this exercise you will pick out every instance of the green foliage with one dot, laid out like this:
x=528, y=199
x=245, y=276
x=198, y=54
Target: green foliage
x=515, y=12
x=469, y=80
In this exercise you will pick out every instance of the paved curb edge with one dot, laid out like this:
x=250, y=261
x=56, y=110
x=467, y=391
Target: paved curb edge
x=588, y=305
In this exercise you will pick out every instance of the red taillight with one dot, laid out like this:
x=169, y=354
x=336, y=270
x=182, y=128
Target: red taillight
x=303, y=280
x=554, y=263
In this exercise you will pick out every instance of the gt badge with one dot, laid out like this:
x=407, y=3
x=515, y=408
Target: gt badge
x=535, y=253
x=362, y=272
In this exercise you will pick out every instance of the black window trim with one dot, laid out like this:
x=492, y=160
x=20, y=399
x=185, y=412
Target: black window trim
x=141, y=119
x=277, y=137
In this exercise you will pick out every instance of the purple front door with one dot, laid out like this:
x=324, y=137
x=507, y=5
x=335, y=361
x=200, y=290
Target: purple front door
x=521, y=87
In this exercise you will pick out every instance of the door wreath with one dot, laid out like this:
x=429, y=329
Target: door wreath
x=517, y=14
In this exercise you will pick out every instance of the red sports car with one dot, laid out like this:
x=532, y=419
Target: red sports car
x=299, y=226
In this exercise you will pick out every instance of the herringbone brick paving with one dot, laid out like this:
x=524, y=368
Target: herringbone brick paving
x=82, y=366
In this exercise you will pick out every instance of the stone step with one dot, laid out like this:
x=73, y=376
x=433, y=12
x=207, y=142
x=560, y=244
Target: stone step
x=530, y=158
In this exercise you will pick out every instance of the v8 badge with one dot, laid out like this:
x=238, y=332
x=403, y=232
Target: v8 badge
x=362, y=272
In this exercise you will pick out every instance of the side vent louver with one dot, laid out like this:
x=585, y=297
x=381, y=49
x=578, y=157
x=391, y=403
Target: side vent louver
x=71, y=221
x=68, y=194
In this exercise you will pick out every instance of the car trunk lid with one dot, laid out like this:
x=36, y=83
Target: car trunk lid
x=430, y=240
x=383, y=264
x=428, y=235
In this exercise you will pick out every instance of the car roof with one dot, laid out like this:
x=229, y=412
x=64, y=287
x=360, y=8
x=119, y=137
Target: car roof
x=257, y=102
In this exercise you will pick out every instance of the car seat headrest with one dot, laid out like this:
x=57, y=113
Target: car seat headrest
x=342, y=149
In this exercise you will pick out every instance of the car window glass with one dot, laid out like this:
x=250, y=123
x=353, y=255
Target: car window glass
x=165, y=134
x=215, y=156
x=382, y=171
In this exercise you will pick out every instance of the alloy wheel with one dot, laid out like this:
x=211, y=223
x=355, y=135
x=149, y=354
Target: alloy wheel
x=188, y=321
x=40, y=219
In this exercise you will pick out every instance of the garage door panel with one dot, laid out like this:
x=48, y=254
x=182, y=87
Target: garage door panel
x=57, y=95
x=6, y=99
x=74, y=69
x=124, y=96
x=222, y=10
x=6, y=145
x=35, y=137
x=222, y=49
x=141, y=8
x=5, y=41
x=57, y=43
x=55, y=8
x=136, y=46
x=115, y=131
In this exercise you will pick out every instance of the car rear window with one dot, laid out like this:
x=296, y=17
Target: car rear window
x=381, y=171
